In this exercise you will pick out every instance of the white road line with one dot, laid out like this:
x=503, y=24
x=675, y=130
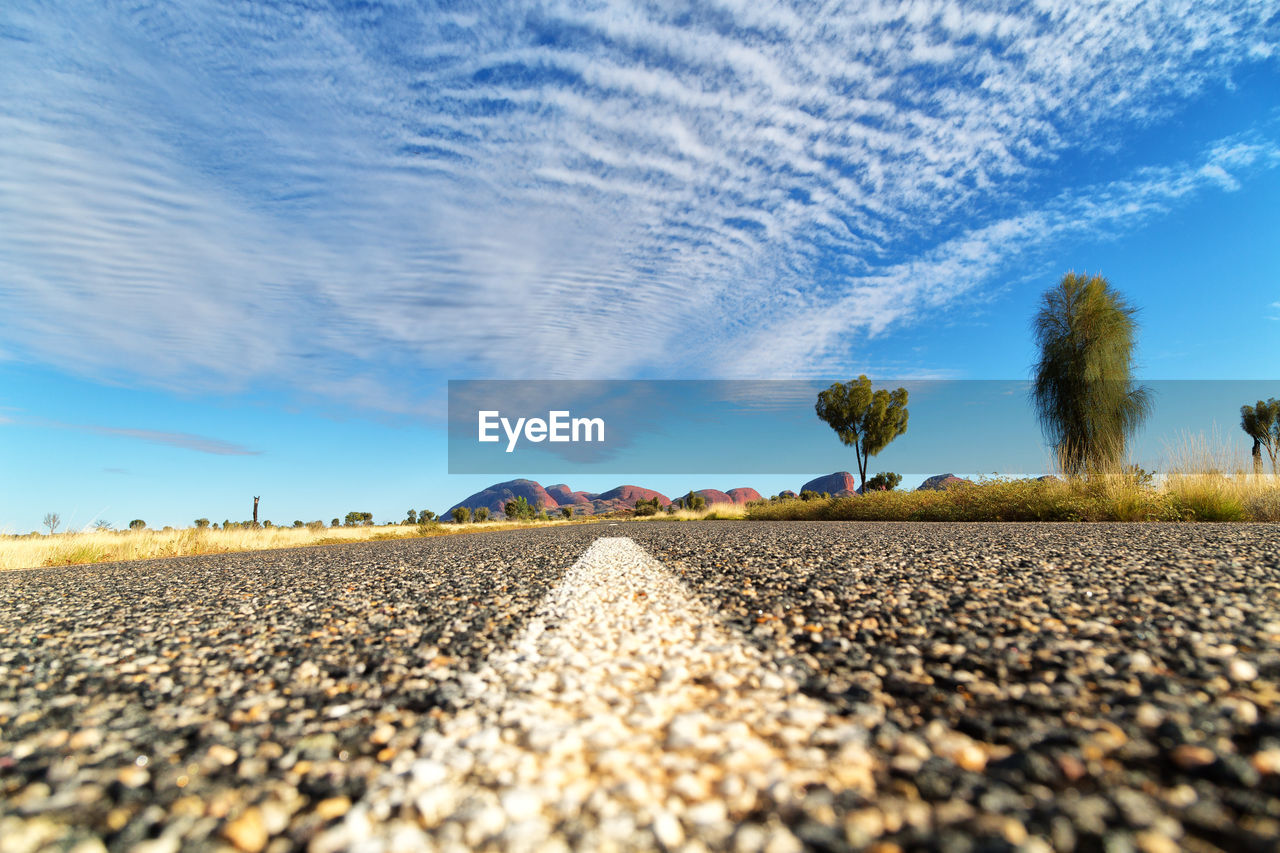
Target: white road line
x=624, y=717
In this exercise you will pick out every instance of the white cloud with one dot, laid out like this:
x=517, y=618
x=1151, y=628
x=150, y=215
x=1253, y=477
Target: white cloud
x=202, y=199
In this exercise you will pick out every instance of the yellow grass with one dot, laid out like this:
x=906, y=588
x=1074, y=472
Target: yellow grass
x=714, y=511
x=63, y=549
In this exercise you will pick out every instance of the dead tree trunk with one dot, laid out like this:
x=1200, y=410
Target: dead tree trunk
x=255, y=510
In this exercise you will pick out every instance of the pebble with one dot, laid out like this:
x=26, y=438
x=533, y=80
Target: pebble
x=998, y=671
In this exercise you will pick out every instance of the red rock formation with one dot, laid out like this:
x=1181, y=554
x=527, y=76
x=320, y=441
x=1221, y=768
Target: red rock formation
x=840, y=484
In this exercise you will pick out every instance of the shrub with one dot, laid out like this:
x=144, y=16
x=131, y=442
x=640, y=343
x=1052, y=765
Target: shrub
x=482, y=513
x=358, y=518
x=566, y=511
x=426, y=516
x=315, y=525
x=137, y=524
x=648, y=507
x=518, y=509
x=461, y=514
x=335, y=523
x=202, y=523
x=885, y=481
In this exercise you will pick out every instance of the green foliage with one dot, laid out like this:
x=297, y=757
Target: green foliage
x=315, y=525
x=863, y=419
x=566, y=511
x=355, y=519
x=691, y=501
x=1261, y=422
x=461, y=514
x=297, y=522
x=335, y=523
x=885, y=481
x=1103, y=499
x=1084, y=394
x=482, y=513
x=426, y=516
x=411, y=517
x=202, y=523
x=137, y=524
x=648, y=507
x=518, y=509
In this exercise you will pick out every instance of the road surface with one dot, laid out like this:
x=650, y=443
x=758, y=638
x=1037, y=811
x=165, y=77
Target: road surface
x=662, y=685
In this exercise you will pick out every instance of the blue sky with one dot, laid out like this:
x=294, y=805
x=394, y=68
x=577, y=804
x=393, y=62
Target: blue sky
x=244, y=246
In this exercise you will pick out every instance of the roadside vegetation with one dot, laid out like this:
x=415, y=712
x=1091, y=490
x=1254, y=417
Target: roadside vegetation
x=1127, y=496
x=102, y=545
x=1089, y=408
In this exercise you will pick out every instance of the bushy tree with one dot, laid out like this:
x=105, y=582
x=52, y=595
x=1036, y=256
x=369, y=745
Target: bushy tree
x=862, y=418
x=461, y=514
x=566, y=511
x=1084, y=394
x=482, y=513
x=359, y=518
x=1261, y=422
x=519, y=508
x=297, y=522
x=648, y=507
x=885, y=481
x=202, y=523
x=411, y=517
x=335, y=523
x=137, y=524
x=426, y=516
x=691, y=501
x=51, y=521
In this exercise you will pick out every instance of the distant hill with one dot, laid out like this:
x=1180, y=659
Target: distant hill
x=840, y=484
x=553, y=497
x=496, y=496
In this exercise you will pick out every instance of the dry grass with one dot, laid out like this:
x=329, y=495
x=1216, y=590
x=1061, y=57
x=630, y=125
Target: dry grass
x=1206, y=480
x=713, y=511
x=64, y=549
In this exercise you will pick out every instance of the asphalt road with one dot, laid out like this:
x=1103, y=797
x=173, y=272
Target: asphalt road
x=1016, y=686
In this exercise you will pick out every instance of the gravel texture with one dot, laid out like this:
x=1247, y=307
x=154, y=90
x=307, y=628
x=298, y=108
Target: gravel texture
x=1032, y=687
x=242, y=699
x=1095, y=687
x=624, y=717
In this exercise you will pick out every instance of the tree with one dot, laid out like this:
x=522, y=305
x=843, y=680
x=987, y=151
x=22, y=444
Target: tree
x=334, y=523
x=482, y=513
x=1083, y=391
x=426, y=516
x=1261, y=422
x=51, y=521
x=519, y=508
x=297, y=522
x=102, y=524
x=863, y=419
x=358, y=518
x=202, y=523
x=691, y=501
x=885, y=481
x=461, y=514
x=137, y=524
x=566, y=511
x=647, y=507
x=411, y=517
